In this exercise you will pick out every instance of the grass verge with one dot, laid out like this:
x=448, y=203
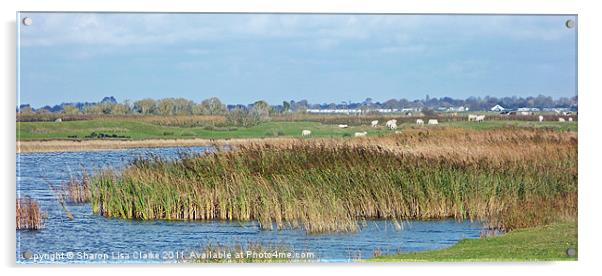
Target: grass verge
x=542, y=243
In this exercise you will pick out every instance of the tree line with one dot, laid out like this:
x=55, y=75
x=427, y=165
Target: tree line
x=261, y=109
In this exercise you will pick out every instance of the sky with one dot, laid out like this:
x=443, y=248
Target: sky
x=241, y=58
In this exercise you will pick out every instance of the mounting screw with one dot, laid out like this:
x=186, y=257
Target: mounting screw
x=569, y=23
x=27, y=254
x=571, y=252
x=27, y=21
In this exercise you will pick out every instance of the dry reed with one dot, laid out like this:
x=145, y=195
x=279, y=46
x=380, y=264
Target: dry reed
x=29, y=215
x=509, y=178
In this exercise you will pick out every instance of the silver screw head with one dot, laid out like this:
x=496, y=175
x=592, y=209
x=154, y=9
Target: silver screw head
x=569, y=23
x=571, y=252
x=27, y=21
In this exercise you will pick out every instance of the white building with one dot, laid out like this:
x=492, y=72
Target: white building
x=498, y=108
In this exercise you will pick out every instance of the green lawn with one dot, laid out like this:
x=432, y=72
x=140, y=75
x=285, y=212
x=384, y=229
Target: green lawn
x=546, y=243
x=144, y=130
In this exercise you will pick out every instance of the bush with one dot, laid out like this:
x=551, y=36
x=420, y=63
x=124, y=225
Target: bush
x=242, y=117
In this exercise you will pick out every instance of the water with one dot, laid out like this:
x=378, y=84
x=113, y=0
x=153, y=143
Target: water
x=93, y=238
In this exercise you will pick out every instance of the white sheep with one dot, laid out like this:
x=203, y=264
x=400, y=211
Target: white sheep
x=361, y=134
x=472, y=117
x=570, y=119
x=480, y=118
x=374, y=123
x=419, y=122
x=561, y=119
x=343, y=126
x=393, y=126
x=305, y=132
x=390, y=122
x=540, y=118
x=433, y=122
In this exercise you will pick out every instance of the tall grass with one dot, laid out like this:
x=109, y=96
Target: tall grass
x=29, y=216
x=508, y=178
x=77, y=191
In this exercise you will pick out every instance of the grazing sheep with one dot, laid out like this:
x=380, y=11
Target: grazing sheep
x=561, y=119
x=540, y=118
x=472, y=117
x=393, y=126
x=419, y=122
x=570, y=119
x=374, y=123
x=305, y=132
x=343, y=126
x=390, y=122
x=433, y=122
x=361, y=134
x=480, y=118
x=58, y=120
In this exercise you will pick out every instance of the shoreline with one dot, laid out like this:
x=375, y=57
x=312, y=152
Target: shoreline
x=36, y=146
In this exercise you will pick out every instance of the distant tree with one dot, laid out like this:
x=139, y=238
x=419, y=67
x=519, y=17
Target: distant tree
x=213, y=106
x=261, y=109
x=166, y=106
x=145, y=106
x=242, y=117
x=391, y=104
x=428, y=112
x=26, y=110
x=120, y=109
x=110, y=100
x=93, y=109
x=286, y=106
x=70, y=109
x=300, y=106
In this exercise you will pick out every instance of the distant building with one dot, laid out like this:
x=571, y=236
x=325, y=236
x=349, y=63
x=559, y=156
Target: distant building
x=498, y=108
x=528, y=109
x=334, y=111
x=453, y=109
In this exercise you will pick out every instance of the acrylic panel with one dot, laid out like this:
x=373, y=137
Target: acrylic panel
x=249, y=137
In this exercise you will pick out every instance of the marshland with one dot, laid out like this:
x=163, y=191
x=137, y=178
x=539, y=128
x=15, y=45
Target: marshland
x=511, y=178
x=93, y=233
x=442, y=183
x=347, y=136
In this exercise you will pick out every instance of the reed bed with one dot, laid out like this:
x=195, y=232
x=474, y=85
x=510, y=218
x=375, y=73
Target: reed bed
x=77, y=191
x=29, y=215
x=508, y=178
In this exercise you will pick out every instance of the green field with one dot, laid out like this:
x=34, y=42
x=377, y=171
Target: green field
x=144, y=130
x=545, y=243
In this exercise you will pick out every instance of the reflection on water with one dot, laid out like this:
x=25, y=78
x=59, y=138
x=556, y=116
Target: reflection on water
x=131, y=241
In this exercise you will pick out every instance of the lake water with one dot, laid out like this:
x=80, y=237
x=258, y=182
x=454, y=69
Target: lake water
x=93, y=238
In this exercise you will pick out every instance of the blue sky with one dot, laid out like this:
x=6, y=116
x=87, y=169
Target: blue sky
x=241, y=58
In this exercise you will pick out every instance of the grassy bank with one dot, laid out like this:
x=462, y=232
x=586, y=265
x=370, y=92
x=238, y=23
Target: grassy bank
x=510, y=178
x=130, y=129
x=543, y=243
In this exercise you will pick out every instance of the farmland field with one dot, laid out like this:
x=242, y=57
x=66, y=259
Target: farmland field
x=139, y=129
